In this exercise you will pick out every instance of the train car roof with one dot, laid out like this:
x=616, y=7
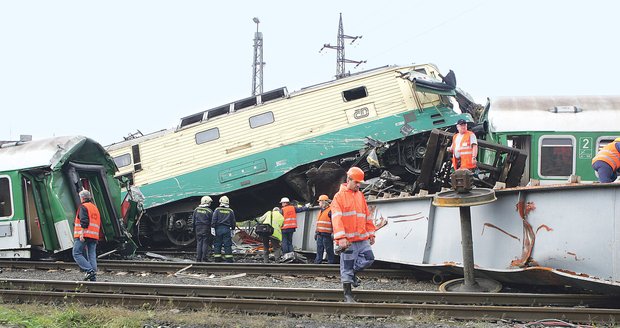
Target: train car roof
x=554, y=113
x=49, y=152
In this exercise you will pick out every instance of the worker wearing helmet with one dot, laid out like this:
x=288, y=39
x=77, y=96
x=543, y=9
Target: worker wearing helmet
x=289, y=212
x=224, y=222
x=464, y=147
x=323, y=233
x=86, y=233
x=606, y=163
x=202, y=229
x=354, y=231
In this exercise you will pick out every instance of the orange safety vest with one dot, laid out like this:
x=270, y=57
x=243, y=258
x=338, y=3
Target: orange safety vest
x=94, y=222
x=324, y=222
x=290, y=217
x=609, y=154
x=466, y=151
x=350, y=216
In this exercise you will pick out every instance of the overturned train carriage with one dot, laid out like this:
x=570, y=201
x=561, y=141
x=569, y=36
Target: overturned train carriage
x=39, y=185
x=297, y=144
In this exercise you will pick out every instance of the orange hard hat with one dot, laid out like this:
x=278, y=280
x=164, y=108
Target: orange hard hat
x=355, y=174
x=323, y=197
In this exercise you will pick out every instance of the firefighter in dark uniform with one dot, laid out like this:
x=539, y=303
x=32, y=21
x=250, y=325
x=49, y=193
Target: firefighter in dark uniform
x=224, y=222
x=202, y=228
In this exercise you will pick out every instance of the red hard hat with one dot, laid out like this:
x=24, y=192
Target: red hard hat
x=356, y=174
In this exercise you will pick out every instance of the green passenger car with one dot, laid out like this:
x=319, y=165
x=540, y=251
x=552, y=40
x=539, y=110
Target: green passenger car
x=561, y=134
x=39, y=185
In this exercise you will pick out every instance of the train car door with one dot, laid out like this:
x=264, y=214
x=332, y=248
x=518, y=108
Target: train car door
x=13, y=241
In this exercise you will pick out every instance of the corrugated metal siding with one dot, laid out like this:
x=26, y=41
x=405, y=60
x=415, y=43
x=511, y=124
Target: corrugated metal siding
x=306, y=114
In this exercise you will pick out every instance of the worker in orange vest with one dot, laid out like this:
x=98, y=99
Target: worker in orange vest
x=290, y=223
x=606, y=163
x=354, y=231
x=464, y=147
x=323, y=233
x=86, y=234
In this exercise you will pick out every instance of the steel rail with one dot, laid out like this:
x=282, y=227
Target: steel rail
x=249, y=268
x=465, y=312
x=316, y=294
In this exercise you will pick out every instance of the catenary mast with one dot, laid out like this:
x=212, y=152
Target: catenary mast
x=340, y=58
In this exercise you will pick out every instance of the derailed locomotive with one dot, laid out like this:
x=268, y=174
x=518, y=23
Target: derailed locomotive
x=296, y=144
x=39, y=185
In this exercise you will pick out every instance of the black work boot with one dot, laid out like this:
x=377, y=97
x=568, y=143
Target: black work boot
x=356, y=281
x=348, y=294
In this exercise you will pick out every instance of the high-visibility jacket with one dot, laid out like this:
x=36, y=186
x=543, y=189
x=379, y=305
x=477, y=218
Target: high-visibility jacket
x=324, y=222
x=610, y=155
x=276, y=220
x=465, y=149
x=94, y=222
x=350, y=216
x=290, y=217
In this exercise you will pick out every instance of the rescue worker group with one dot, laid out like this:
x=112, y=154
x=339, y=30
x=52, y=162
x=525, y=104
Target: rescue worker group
x=345, y=220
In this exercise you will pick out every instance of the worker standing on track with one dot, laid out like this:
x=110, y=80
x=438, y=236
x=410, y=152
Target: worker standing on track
x=202, y=229
x=86, y=233
x=606, y=163
x=290, y=223
x=354, y=231
x=276, y=220
x=324, y=232
x=224, y=222
x=464, y=147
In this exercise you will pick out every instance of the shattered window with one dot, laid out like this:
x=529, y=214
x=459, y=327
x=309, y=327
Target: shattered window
x=6, y=204
x=353, y=94
x=207, y=135
x=557, y=156
x=122, y=160
x=260, y=120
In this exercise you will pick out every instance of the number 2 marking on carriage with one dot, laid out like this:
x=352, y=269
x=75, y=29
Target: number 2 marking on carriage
x=585, y=147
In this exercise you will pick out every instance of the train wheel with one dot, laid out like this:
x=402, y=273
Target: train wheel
x=179, y=230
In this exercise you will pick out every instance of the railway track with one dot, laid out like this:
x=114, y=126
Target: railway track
x=208, y=267
x=490, y=306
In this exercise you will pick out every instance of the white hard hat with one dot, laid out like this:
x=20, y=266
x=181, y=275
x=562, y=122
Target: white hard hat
x=224, y=200
x=206, y=200
x=284, y=200
x=85, y=194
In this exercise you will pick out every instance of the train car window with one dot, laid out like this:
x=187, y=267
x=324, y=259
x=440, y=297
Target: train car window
x=6, y=204
x=207, y=135
x=261, y=119
x=353, y=94
x=604, y=141
x=557, y=156
x=122, y=160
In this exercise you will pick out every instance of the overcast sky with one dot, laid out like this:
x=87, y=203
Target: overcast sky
x=104, y=69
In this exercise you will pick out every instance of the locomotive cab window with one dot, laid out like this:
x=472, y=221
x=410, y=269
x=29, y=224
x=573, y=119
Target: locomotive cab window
x=556, y=156
x=6, y=199
x=353, y=94
x=122, y=160
x=262, y=119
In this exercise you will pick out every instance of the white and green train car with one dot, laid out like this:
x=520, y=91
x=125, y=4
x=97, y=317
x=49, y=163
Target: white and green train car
x=259, y=149
x=39, y=185
x=560, y=134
